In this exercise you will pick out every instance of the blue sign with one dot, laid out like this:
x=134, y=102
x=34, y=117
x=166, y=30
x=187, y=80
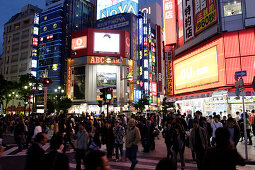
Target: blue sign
x=240, y=74
x=114, y=22
x=122, y=7
x=138, y=95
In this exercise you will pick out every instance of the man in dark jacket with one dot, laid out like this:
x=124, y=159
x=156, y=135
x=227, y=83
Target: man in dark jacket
x=234, y=131
x=35, y=154
x=208, y=129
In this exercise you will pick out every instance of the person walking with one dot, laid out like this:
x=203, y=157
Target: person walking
x=132, y=139
x=35, y=154
x=224, y=156
x=119, y=133
x=108, y=139
x=215, y=125
x=19, y=134
x=234, y=131
x=208, y=129
x=198, y=143
x=56, y=159
x=168, y=135
x=82, y=145
x=248, y=128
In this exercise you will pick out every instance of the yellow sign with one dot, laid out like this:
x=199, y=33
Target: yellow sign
x=197, y=70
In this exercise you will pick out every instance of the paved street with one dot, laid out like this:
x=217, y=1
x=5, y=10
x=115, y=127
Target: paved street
x=13, y=160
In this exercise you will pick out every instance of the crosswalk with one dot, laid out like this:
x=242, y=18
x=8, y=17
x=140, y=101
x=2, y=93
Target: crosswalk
x=12, y=150
x=148, y=164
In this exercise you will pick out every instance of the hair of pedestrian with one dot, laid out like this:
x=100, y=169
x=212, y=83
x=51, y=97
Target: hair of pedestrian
x=222, y=137
x=195, y=121
x=39, y=137
x=166, y=164
x=94, y=160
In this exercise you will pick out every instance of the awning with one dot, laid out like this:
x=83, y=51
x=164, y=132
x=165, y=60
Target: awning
x=11, y=108
x=19, y=109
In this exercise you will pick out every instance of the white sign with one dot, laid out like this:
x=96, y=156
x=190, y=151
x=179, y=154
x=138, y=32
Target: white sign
x=34, y=63
x=36, y=31
x=188, y=22
x=106, y=43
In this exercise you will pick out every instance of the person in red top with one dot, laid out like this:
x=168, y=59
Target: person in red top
x=252, y=120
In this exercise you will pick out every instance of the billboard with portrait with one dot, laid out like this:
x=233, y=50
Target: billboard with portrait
x=106, y=8
x=106, y=80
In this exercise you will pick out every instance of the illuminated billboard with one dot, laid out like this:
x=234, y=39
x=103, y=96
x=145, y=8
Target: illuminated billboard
x=205, y=14
x=106, y=80
x=197, y=70
x=106, y=43
x=106, y=8
x=169, y=22
x=79, y=43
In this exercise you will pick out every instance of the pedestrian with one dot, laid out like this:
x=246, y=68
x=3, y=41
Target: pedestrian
x=96, y=160
x=168, y=133
x=234, y=131
x=198, y=143
x=224, y=156
x=166, y=164
x=132, y=139
x=82, y=145
x=252, y=121
x=56, y=159
x=119, y=133
x=35, y=154
x=108, y=139
x=179, y=141
x=224, y=121
x=215, y=125
x=19, y=134
x=38, y=128
x=248, y=128
x=241, y=125
x=208, y=129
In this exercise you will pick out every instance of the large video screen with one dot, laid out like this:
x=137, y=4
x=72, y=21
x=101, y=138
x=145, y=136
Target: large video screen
x=106, y=8
x=106, y=43
x=106, y=80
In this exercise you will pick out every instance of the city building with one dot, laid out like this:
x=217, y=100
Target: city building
x=214, y=40
x=20, y=43
x=58, y=20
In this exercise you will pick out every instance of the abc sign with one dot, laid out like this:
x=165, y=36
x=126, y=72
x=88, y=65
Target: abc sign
x=79, y=43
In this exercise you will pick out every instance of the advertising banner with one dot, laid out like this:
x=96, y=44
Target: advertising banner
x=106, y=43
x=105, y=60
x=106, y=8
x=169, y=71
x=205, y=14
x=114, y=22
x=188, y=20
x=169, y=22
x=106, y=80
x=197, y=70
x=79, y=43
x=180, y=24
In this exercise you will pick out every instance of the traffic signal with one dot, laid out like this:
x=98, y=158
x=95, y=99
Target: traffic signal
x=109, y=93
x=103, y=94
x=47, y=81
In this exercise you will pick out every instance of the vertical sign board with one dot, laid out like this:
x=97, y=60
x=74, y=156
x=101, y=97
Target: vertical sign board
x=159, y=57
x=180, y=23
x=169, y=71
x=205, y=14
x=188, y=20
x=169, y=22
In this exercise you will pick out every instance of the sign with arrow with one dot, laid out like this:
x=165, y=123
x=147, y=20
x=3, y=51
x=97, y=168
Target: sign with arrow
x=240, y=74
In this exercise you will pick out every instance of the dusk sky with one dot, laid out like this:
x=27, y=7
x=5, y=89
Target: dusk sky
x=8, y=8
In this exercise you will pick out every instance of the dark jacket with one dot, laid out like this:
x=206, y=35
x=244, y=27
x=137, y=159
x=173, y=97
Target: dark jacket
x=168, y=134
x=222, y=158
x=56, y=161
x=35, y=157
x=203, y=138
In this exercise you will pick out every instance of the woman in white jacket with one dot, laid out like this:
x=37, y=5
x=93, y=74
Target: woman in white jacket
x=38, y=128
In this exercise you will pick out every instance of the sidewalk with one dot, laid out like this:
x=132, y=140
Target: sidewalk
x=250, y=148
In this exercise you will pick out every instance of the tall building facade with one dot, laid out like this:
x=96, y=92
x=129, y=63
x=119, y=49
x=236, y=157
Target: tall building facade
x=207, y=42
x=21, y=43
x=58, y=20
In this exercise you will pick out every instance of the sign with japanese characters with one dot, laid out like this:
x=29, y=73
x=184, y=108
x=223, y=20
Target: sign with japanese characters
x=170, y=22
x=188, y=19
x=205, y=14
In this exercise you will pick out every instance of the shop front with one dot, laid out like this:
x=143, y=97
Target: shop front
x=204, y=77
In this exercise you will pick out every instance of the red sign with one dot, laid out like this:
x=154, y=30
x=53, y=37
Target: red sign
x=160, y=77
x=169, y=22
x=35, y=41
x=154, y=89
x=169, y=71
x=79, y=43
x=105, y=60
x=205, y=14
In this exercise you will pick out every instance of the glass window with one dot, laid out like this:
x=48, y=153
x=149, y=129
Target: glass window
x=232, y=8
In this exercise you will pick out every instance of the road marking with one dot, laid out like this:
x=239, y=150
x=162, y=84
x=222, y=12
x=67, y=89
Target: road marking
x=10, y=151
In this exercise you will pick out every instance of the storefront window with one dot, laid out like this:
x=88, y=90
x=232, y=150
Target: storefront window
x=232, y=8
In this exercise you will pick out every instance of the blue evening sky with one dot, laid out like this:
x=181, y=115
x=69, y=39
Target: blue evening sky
x=8, y=8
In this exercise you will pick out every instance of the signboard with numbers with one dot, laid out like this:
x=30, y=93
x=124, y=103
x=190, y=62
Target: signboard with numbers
x=170, y=22
x=205, y=14
x=188, y=21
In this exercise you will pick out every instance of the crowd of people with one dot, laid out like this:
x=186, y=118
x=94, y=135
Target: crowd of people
x=212, y=139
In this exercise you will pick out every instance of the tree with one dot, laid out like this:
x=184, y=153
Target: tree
x=64, y=103
x=140, y=106
x=51, y=106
